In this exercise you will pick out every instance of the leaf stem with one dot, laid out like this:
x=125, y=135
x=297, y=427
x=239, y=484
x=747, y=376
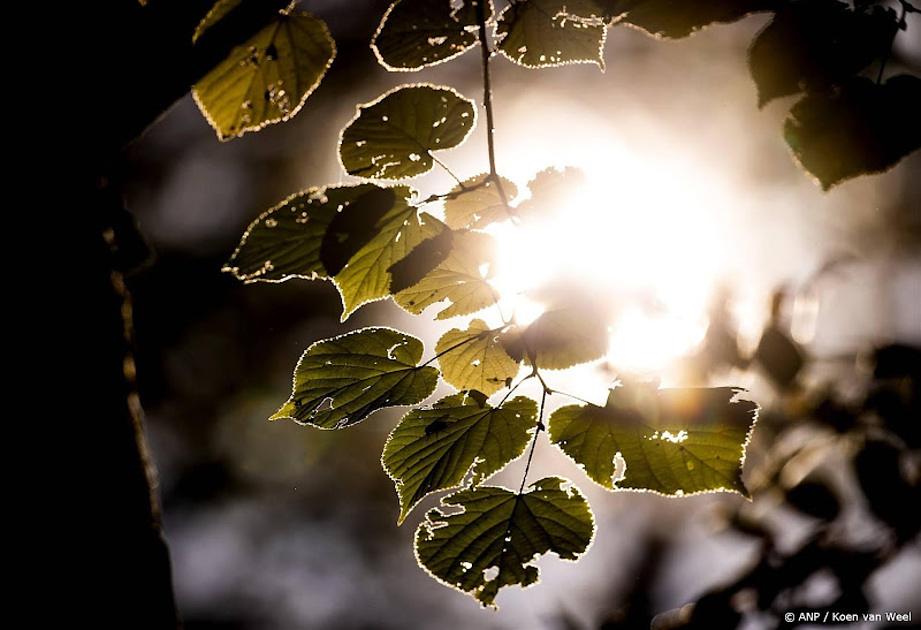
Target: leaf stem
x=537, y=430
x=449, y=172
x=462, y=343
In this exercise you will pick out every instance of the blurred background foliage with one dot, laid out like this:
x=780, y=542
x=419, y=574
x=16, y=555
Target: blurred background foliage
x=817, y=309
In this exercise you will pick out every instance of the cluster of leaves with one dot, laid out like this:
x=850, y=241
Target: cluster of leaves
x=376, y=241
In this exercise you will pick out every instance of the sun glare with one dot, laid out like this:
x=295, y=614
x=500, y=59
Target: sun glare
x=641, y=232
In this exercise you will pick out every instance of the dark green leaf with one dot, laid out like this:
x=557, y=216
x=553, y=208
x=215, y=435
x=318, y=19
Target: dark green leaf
x=288, y=241
x=394, y=136
x=417, y=33
x=813, y=45
x=493, y=542
x=341, y=381
x=672, y=441
x=436, y=449
x=859, y=128
x=544, y=33
x=680, y=18
x=463, y=279
x=480, y=204
x=475, y=359
x=267, y=78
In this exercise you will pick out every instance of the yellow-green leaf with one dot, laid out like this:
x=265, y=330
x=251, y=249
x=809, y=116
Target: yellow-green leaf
x=394, y=136
x=217, y=11
x=267, y=78
x=436, y=449
x=670, y=441
x=478, y=203
x=474, y=359
x=495, y=540
x=341, y=381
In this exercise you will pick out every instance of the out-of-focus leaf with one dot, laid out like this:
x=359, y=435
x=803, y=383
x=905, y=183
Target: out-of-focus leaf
x=672, y=441
x=214, y=15
x=414, y=34
x=779, y=356
x=544, y=33
x=889, y=495
x=394, y=136
x=341, y=381
x=493, y=542
x=267, y=78
x=288, y=241
x=474, y=359
x=814, y=498
x=560, y=338
x=859, y=128
x=680, y=18
x=480, y=205
x=366, y=277
x=435, y=449
x=462, y=278
x=550, y=189
x=812, y=45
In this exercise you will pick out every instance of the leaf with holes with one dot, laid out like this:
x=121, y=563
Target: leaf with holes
x=268, y=77
x=494, y=540
x=545, y=33
x=340, y=381
x=670, y=441
x=859, y=128
x=395, y=136
x=479, y=202
x=435, y=449
x=462, y=279
x=680, y=18
x=366, y=277
x=814, y=45
x=474, y=359
x=289, y=240
x=415, y=34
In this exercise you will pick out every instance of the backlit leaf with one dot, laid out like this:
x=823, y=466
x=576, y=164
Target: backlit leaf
x=543, y=33
x=480, y=204
x=859, y=128
x=288, y=241
x=680, y=18
x=414, y=34
x=493, y=542
x=475, y=359
x=813, y=45
x=671, y=441
x=268, y=77
x=560, y=338
x=550, y=189
x=394, y=136
x=435, y=449
x=214, y=15
x=341, y=381
x=462, y=279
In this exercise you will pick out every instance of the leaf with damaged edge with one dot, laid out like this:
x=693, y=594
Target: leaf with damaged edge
x=435, y=449
x=475, y=359
x=680, y=18
x=493, y=541
x=340, y=381
x=671, y=441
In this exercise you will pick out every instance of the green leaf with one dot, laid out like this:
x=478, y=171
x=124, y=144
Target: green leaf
x=366, y=277
x=214, y=15
x=415, y=34
x=671, y=441
x=339, y=382
x=813, y=45
x=474, y=359
x=422, y=260
x=545, y=33
x=436, y=449
x=394, y=136
x=478, y=203
x=289, y=240
x=493, y=542
x=267, y=78
x=462, y=279
x=680, y=18
x=560, y=338
x=550, y=189
x=859, y=128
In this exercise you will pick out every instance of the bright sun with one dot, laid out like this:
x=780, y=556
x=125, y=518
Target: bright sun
x=645, y=234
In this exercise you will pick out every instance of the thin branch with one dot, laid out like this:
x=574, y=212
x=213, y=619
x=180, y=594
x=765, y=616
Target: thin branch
x=537, y=430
